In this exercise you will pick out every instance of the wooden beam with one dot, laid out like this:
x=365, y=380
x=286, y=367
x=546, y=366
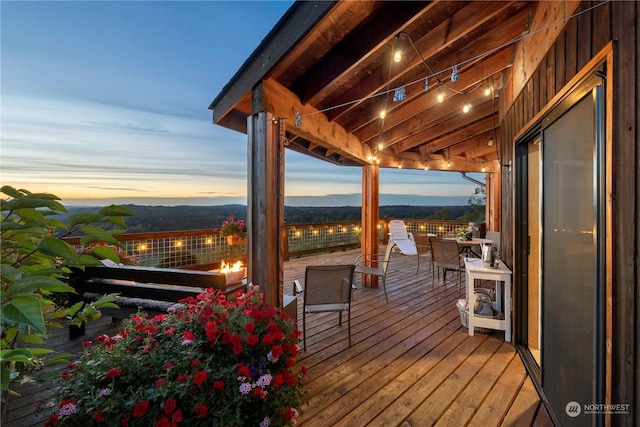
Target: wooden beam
x=361, y=44
x=476, y=128
x=294, y=24
x=315, y=127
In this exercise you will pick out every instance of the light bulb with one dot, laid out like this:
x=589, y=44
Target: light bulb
x=426, y=168
x=383, y=114
x=377, y=161
x=440, y=96
x=487, y=91
x=380, y=146
x=490, y=143
x=397, y=55
x=399, y=166
x=448, y=163
x=466, y=108
x=483, y=169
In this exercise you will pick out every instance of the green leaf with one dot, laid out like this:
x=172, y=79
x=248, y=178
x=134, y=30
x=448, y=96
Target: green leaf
x=24, y=310
x=31, y=338
x=30, y=214
x=86, y=218
x=57, y=248
x=57, y=224
x=20, y=355
x=114, y=210
x=10, y=191
x=106, y=252
x=96, y=234
x=30, y=284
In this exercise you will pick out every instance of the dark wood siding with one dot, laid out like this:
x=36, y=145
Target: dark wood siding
x=583, y=37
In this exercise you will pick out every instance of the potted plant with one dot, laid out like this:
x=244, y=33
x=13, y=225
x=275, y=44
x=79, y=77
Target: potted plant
x=235, y=230
x=211, y=362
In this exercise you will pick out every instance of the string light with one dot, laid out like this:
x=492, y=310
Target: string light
x=466, y=107
x=483, y=168
x=454, y=68
x=490, y=143
x=426, y=168
x=448, y=163
x=380, y=146
x=399, y=165
x=383, y=114
x=440, y=96
x=487, y=90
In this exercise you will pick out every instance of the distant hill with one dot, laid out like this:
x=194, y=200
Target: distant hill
x=169, y=218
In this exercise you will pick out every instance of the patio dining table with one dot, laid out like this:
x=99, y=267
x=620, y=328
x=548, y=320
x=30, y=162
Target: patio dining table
x=466, y=246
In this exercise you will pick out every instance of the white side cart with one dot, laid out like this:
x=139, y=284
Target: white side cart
x=502, y=275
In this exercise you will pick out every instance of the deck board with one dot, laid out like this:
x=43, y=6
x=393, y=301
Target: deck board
x=411, y=362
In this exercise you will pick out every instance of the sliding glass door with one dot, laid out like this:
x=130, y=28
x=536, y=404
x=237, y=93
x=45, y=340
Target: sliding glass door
x=562, y=214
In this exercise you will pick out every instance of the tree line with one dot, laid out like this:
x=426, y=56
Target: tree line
x=171, y=218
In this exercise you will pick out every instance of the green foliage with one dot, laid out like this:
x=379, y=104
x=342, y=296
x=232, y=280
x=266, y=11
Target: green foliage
x=34, y=266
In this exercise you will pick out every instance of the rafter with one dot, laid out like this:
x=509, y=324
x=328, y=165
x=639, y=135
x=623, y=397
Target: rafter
x=315, y=127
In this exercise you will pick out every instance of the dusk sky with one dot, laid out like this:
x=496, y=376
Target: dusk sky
x=106, y=102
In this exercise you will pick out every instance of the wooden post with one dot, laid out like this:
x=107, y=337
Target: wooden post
x=265, y=200
x=492, y=210
x=370, y=216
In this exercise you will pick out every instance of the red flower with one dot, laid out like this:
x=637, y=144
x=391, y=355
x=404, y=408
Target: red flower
x=140, y=408
x=167, y=365
x=188, y=335
x=125, y=418
x=170, y=406
x=170, y=331
x=218, y=385
x=176, y=416
x=267, y=339
x=259, y=392
x=201, y=409
x=182, y=378
x=249, y=327
x=276, y=351
x=195, y=363
x=113, y=372
x=253, y=340
x=243, y=370
x=98, y=416
x=86, y=343
x=200, y=377
x=237, y=349
x=53, y=420
x=160, y=382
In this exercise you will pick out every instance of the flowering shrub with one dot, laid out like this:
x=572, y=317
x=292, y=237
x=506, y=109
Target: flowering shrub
x=211, y=362
x=231, y=227
x=103, y=250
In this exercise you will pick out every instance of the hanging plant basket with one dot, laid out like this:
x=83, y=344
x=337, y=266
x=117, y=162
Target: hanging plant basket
x=234, y=239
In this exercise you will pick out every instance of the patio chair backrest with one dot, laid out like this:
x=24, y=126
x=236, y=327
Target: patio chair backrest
x=328, y=284
x=445, y=253
x=398, y=230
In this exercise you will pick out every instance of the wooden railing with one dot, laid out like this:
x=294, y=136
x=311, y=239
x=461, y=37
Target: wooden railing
x=205, y=249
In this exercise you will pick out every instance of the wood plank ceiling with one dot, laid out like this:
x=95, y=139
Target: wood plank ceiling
x=339, y=75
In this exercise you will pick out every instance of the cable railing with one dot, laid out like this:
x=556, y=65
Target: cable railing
x=206, y=249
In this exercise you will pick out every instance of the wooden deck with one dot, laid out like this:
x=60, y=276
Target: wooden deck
x=411, y=363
